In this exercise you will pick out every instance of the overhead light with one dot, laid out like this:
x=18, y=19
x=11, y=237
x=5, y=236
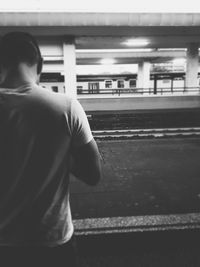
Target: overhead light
x=179, y=61
x=171, y=49
x=53, y=58
x=107, y=61
x=140, y=50
x=121, y=50
x=136, y=42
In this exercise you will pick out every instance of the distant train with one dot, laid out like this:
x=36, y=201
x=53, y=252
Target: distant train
x=123, y=83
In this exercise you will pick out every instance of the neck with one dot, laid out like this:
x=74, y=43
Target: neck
x=19, y=76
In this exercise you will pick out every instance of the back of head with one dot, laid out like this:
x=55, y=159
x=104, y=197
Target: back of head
x=17, y=47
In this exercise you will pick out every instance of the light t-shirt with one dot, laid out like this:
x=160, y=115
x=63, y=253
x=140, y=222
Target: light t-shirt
x=38, y=130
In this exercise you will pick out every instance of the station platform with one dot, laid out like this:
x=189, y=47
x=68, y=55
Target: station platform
x=139, y=103
x=147, y=185
x=145, y=211
x=131, y=95
x=160, y=249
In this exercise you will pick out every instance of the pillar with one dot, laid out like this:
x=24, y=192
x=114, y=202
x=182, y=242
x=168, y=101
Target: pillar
x=69, y=55
x=192, y=65
x=155, y=85
x=143, y=79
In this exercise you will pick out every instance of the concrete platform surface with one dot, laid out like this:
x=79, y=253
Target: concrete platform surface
x=148, y=249
x=130, y=224
x=142, y=177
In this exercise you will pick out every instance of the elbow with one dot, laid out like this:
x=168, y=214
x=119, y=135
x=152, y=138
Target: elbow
x=90, y=178
x=94, y=174
x=94, y=179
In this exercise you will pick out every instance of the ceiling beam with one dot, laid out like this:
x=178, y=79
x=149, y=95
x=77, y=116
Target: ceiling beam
x=98, y=19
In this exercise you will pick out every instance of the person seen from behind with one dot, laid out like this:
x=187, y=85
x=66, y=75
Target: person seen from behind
x=40, y=132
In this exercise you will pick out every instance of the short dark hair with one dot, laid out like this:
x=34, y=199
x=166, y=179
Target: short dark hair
x=17, y=47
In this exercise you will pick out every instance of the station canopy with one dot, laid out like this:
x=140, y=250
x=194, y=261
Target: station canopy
x=101, y=6
x=105, y=27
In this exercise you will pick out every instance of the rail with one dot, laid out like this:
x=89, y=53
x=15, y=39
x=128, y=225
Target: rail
x=141, y=91
x=146, y=133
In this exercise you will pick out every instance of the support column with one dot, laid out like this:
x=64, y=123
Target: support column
x=192, y=66
x=69, y=55
x=143, y=79
x=155, y=85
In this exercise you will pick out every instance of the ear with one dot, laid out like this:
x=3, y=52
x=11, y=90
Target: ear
x=39, y=66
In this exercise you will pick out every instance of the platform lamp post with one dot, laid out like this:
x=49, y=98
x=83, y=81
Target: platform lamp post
x=155, y=85
x=69, y=55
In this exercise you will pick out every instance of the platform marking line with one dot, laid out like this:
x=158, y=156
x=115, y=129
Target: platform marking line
x=147, y=135
x=147, y=130
x=137, y=223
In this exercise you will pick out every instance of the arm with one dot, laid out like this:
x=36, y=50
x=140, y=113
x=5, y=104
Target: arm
x=86, y=164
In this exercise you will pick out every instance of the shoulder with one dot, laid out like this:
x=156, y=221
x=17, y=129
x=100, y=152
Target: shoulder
x=60, y=101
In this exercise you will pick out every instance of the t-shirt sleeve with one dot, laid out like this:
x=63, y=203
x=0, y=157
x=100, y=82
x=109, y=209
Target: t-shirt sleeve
x=80, y=128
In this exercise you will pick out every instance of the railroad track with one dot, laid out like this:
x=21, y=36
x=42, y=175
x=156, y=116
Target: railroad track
x=142, y=133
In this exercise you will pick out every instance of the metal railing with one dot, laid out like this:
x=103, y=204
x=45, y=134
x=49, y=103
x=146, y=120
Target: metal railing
x=141, y=91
